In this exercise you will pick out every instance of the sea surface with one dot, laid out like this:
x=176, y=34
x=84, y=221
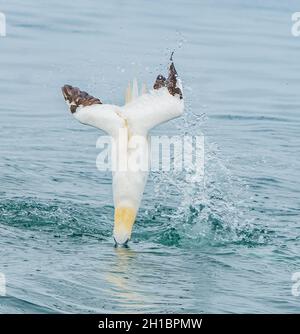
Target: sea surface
x=228, y=244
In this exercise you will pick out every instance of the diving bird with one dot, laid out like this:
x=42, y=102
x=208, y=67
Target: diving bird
x=140, y=113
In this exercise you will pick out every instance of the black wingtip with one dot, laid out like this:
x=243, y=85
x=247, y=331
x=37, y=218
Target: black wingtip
x=76, y=97
x=170, y=82
x=171, y=57
x=172, y=54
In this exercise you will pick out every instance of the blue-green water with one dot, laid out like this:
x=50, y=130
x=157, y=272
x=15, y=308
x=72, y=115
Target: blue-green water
x=229, y=244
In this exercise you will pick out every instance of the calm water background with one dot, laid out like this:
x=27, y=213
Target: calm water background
x=230, y=244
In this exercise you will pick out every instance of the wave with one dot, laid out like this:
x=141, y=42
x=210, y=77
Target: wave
x=59, y=218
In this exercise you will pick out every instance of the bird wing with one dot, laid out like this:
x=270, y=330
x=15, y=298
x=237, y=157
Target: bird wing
x=91, y=111
x=142, y=113
x=163, y=103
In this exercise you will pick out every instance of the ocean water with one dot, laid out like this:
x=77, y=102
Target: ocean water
x=229, y=244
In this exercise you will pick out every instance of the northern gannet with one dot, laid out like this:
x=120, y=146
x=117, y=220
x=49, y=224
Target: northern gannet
x=137, y=116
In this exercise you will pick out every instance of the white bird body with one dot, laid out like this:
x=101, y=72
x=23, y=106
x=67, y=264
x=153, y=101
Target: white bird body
x=129, y=125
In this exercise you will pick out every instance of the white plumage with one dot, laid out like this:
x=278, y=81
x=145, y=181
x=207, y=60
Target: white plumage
x=137, y=117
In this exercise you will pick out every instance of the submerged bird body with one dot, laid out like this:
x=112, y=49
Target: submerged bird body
x=129, y=125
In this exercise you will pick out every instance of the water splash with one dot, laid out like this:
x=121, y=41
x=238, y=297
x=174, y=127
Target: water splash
x=214, y=211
